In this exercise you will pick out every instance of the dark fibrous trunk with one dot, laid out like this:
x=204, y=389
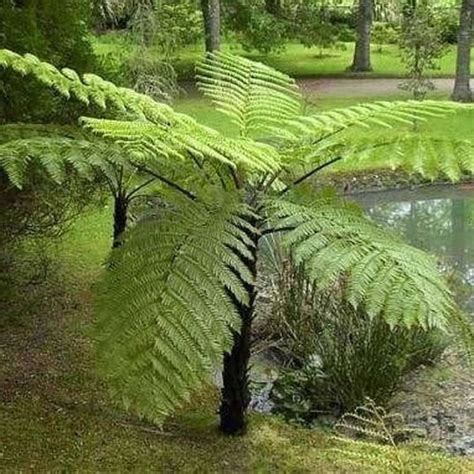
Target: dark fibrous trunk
x=236, y=391
x=120, y=219
x=361, y=62
x=462, y=89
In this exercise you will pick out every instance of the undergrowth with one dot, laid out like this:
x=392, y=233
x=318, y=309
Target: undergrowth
x=55, y=414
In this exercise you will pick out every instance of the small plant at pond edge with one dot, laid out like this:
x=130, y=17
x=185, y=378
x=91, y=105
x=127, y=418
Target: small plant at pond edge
x=385, y=437
x=336, y=355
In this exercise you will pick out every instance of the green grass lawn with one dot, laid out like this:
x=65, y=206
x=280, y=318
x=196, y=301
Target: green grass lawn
x=56, y=417
x=295, y=59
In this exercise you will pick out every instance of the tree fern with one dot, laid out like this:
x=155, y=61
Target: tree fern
x=165, y=317
x=179, y=289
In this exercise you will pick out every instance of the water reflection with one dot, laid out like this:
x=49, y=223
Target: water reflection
x=437, y=219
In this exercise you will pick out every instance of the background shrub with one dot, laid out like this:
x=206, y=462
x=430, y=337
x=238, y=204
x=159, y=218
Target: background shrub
x=334, y=355
x=57, y=31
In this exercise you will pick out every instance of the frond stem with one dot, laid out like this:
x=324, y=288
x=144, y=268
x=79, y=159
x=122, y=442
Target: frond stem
x=171, y=184
x=273, y=230
x=311, y=173
x=140, y=187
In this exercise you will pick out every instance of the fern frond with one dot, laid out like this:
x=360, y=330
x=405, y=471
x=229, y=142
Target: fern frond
x=382, y=114
x=143, y=139
x=255, y=96
x=89, y=89
x=164, y=315
x=334, y=242
x=430, y=156
x=57, y=156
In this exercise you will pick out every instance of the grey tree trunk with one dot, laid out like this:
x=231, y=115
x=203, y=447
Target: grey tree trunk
x=211, y=11
x=365, y=13
x=462, y=90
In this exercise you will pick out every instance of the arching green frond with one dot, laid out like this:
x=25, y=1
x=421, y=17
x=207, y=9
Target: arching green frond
x=253, y=95
x=90, y=89
x=57, y=156
x=164, y=311
x=430, y=156
x=337, y=245
x=144, y=139
x=383, y=114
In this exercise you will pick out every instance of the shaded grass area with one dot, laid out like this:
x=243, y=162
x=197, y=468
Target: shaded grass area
x=295, y=59
x=55, y=414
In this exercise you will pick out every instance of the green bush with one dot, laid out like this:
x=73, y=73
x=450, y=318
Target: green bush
x=142, y=71
x=449, y=18
x=384, y=33
x=254, y=28
x=54, y=30
x=335, y=355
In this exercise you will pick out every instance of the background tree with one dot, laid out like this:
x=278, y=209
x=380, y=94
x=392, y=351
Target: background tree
x=421, y=46
x=211, y=12
x=361, y=62
x=312, y=24
x=257, y=25
x=462, y=87
x=58, y=31
x=55, y=30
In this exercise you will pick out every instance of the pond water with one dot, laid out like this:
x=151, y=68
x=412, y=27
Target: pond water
x=438, y=219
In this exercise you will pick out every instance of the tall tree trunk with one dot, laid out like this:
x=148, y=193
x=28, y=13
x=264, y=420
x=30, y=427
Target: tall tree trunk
x=211, y=11
x=120, y=218
x=235, y=375
x=365, y=12
x=462, y=89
